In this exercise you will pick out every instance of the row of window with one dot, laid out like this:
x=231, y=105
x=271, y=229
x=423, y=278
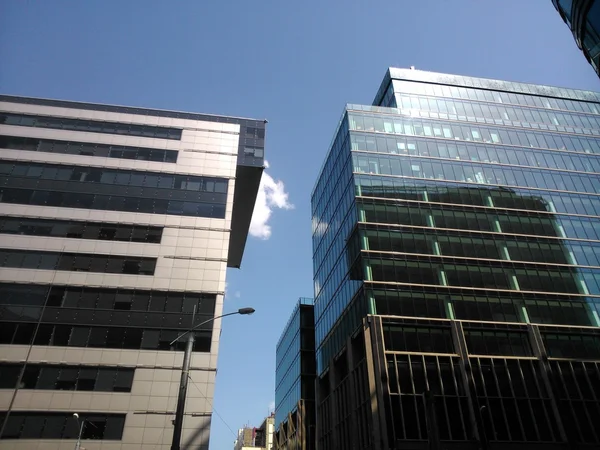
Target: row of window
x=438, y=108
x=416, y=167
x=566, y=279
x=486, y=95
x=580, y=380
x=331, y=263
x=413, y=375
x=333, y=226
x=565, y=345
x=469, y=195
x=78, y=262
x=334, y=166
x=302, y=363
x=393, y=124
x=492, y=377
x=79, y=230
x=286, y=376
x=253, y=128
x=497, y=154
x=289, y=343
x=106, y=298
x=104, y=202
x=66, y=377
x=490, y=247
x=87, y=149
x=488, y=342
x=93, y=126
x=417, y=339
x=257, y=152
x=98, y=337
x=288, y=402
x=328, y=214
x=80, y=316
x=61, y=425
x=424, y=215
x=495, y=377
x=479, y=305
x=337, y=337
x=422, y=339
x=340, y=285
x=108, y=176
x=486, y=306
x=301, y=322
x=511, y=417
x=512, y=401
x=330, y=203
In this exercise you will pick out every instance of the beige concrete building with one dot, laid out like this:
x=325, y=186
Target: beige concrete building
x=116, y=224
x=261, y=438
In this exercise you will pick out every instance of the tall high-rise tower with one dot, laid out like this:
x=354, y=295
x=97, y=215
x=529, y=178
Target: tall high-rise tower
x=456, y=239
x=116, y=226
x=583, y=18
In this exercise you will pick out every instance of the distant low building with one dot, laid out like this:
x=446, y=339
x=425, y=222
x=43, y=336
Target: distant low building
x=252, y=438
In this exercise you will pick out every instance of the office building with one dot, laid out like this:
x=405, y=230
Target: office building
x=456, y=239
x=583, y=19
x=117, y=224
x=295, y=381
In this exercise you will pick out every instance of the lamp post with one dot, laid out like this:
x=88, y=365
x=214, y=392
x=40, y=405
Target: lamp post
x=187, y=356
x=81, y=424
x=78, y=443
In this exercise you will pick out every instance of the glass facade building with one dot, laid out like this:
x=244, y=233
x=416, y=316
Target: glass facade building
x=117, y=225
x=583, y=19
x=456, y=238
x=295, y=381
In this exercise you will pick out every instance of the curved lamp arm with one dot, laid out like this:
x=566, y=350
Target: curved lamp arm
x=242, y=311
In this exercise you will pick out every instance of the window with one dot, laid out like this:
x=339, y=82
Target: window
x=417, y=339
x=9, y=374
x=133, y=337
x=493, y=342
x=59, y=425
x=84, y=300
x=109, y=176
x=150, y=339
x=214, y=209
x=86, y=149
x=78, y=262
x=94, y=126
x=257, y=152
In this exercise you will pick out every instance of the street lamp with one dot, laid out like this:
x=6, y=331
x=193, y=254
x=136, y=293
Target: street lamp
x=187, y=356
x=78, y=443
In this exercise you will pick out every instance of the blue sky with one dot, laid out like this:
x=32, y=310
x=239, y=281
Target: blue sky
x=295, y=63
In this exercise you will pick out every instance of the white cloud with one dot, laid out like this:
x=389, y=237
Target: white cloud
x=272, y=406
x=230, y=294
x=271, y=195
